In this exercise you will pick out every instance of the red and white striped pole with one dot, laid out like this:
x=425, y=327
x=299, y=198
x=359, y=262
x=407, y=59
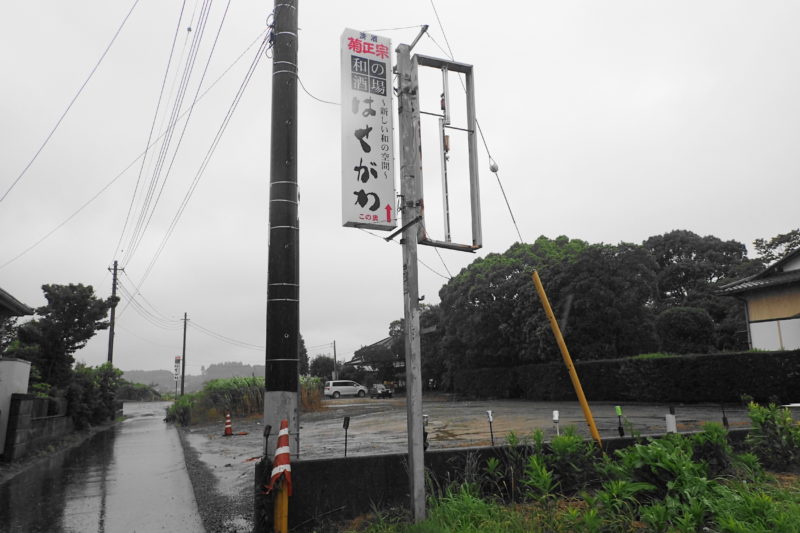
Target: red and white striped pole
x=228, y=426
x=282, y=476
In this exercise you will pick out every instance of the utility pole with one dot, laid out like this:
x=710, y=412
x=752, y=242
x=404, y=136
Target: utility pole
x=113, y=312
x=411, y=177
x=183, y=359
x=283, y=295
x=335, y=372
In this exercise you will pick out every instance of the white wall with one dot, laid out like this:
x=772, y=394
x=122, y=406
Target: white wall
x=14, y=374
x=766, y=335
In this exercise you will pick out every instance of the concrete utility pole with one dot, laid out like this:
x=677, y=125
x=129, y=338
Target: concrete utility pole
x=335, y=372
x=283, y=294
x=183, y=358
x=411, y=176
x=113, y=312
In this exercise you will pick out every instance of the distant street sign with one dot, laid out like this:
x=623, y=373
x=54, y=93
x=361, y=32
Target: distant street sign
x=177, y=368
x=368, y=193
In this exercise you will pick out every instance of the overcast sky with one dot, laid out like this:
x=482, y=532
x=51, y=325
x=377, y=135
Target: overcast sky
x=610, y=121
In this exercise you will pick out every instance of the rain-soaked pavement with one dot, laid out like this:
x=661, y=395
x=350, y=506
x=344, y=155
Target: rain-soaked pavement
x=127, y=479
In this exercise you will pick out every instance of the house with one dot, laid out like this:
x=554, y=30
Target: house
x=379, y=355
x=14, y=373
x=772, y=304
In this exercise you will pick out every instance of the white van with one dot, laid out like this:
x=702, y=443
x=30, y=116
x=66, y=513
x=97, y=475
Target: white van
x=334, y=389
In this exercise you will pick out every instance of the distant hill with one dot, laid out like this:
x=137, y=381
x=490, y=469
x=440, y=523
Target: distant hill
x=164, y=382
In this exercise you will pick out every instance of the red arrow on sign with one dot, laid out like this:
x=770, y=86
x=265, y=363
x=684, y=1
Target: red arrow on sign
x=388, y=213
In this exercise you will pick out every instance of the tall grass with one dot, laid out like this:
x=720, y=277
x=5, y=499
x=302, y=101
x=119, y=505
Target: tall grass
x=240, y=397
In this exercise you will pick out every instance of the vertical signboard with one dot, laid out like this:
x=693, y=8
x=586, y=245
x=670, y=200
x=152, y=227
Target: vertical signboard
x=177, y=368
x=368, y=192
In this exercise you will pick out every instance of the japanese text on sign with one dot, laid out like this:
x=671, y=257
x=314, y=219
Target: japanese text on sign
x=368, y=192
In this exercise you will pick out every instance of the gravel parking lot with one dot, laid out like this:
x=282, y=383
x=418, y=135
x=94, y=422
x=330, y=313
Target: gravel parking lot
x=222, y=468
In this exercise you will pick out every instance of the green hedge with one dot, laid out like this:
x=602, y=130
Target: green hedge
x=722, y=377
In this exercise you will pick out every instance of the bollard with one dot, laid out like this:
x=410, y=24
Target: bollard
x=491, y=431
x=724, y=418
x=672, y=425
x=345, y=425
x=620, y=429
x=555, y=421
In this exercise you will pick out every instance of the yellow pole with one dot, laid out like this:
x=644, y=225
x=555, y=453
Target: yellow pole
x=281, y=509
x=573, y=375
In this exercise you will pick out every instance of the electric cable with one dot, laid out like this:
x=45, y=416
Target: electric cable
x=186, y=123
x=204, y=164
x=153, y=124
x=74, y=98
x=121, y=173
x=225, y=338
x=143, y=219
x=493, y=165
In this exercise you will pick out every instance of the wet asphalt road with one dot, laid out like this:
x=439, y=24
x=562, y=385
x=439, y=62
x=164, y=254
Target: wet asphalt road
x=131, y=478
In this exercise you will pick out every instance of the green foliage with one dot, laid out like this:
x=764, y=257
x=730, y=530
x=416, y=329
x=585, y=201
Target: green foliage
x=91, y=394
x=136, y=392
x=322, y=367
x=771, y=250
x=721, y=377
x=538, y=479
x=685, y=330
x=238, y=396
x=72, y=316
x=775, y=437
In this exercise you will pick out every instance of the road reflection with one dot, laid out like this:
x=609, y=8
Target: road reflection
x=129, y=478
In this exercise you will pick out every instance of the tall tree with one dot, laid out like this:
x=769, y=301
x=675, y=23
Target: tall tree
x=691, y=267
x=303, y=356
x=770, y=250
x=72, y=316
x=322, y=367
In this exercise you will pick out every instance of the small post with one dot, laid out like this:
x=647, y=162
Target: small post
x=424, y=432
x=267, y=430
x=672, y=425
x=491, y=431
x=620, y=429
x=281, y=509
x=345, y=425
x=555, y=421
x=724, y=418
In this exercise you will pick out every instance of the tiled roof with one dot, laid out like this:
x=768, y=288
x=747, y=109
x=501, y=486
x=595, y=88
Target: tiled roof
x=12, y=305
x=757, y=282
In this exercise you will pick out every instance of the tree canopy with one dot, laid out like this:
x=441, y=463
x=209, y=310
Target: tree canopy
x=72, y=316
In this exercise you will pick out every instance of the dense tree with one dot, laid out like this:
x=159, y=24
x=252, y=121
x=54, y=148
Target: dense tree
x=72, y=316
x=485, y=309
x=685, y=330
x=770, y=250
x=322, y=367
x=303, y=358
x=691, y=268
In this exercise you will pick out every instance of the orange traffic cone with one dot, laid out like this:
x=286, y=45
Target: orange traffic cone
x=228, y=427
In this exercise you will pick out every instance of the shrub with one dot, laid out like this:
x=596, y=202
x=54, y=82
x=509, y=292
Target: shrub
x=685, y=330
x=775, y=438
x=91, y=394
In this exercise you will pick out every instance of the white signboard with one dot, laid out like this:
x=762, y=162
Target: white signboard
x=177, y=367
x=368, y=193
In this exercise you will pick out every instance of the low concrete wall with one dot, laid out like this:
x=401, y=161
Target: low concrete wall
x=26, y=432
x=346, y=487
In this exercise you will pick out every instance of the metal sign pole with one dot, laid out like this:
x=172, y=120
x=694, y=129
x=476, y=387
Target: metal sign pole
x=411, y=174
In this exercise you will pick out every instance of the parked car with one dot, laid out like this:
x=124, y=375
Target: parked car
x=380, y=391
x=334, y=389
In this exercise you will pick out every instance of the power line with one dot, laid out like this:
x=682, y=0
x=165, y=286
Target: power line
x=204, y=164
x=153, y=124
x=144, y=219
x=74, y=98
x=311, y=95
x=492, y=164
x=120, y=174
x=420, y=261
x=225, y=338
